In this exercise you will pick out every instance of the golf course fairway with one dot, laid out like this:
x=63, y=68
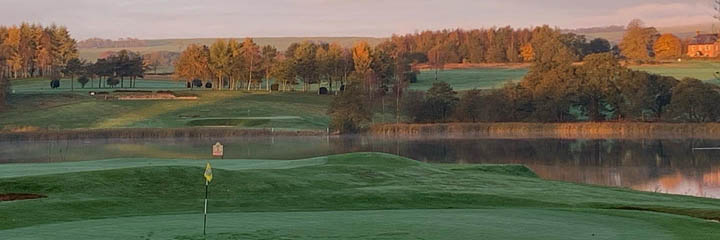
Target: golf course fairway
x=349, y=196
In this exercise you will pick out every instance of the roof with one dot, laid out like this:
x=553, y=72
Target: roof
x=704, y=39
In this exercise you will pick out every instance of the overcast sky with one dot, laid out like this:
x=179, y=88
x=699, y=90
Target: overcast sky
x=152, y=19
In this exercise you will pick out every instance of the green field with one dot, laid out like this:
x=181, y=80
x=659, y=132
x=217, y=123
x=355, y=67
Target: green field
x=352, y=196
x=467, y=79
x=34, y=104
x=699, y=69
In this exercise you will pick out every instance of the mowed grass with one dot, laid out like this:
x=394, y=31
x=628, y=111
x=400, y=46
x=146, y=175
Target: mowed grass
x=467, y=79
x=351, y=196
x=33, y=104
x=700, y=69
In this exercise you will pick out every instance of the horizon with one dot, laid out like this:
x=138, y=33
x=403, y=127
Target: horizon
x=163, y=19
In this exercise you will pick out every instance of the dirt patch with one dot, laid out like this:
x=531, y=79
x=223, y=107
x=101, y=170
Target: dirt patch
x=19, y=196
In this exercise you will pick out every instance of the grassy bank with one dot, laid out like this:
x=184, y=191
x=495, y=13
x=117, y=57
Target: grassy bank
x=352, y=196
x=554, y=130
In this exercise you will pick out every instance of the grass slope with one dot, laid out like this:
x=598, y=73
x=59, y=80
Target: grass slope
x=351, y=196
x=65, y=110
x=467, y=79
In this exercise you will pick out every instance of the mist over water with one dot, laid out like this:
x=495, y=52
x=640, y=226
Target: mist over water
x=656, y=165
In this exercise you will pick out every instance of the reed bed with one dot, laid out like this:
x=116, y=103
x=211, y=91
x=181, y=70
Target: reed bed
x=553, y=130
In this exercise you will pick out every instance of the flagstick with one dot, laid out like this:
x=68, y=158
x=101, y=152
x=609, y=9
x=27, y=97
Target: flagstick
x=205, y=212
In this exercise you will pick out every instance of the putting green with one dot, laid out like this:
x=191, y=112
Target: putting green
x=389, y=224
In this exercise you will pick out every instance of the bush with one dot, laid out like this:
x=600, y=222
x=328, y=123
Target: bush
x=112, y=82
x=348, y=111
x=197, y=83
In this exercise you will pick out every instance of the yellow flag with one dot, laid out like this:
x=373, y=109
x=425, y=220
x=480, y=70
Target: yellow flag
x=208, y=172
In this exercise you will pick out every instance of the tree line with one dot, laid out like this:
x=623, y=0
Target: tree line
x=230, y=64
x=107, y=43
x=556, y=90
x=491, y=45
x=111, y=71
x=30, y=50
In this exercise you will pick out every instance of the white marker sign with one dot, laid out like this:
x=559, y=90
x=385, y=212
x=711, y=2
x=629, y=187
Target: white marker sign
x=217, y=150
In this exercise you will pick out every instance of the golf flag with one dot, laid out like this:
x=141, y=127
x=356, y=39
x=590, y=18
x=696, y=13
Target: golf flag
x=208, y=172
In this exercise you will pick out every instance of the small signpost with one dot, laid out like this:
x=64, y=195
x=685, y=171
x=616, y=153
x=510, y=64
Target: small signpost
x=217, y=150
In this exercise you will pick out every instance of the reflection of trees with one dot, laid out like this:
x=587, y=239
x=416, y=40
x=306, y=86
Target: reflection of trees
x=607, y=162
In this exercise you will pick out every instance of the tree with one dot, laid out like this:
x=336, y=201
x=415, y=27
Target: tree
x=83, y=80
x=251, y=54
x=413, y=106
x=361, y=57
x=73, y=68
x=597, y=86
x=348, y=112
x=668, y=46
x=644, y=96
x=599, y=45
x=219, y=61
x=305, y=63
x=440, y=102
x=4, y=88
x=469, y=109
x=527, y=52
x=269, y=58
x=695, y=101
x=193, y=63
x=637, y=41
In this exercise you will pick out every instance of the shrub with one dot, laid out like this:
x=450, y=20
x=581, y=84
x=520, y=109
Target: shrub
x=112, y=82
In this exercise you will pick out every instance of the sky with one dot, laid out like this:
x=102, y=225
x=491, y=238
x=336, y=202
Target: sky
x=157, y=19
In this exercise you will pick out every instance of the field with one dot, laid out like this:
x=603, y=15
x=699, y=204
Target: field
x=351, y=196
x=701, y=69
x=467, y=79
x=35, y=105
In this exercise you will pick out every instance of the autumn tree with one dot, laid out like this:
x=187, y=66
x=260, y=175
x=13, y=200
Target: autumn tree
x=527, y=52
x=252, y=58
x=269, y=58
x=305, y=63
x=637, y=41
x=219, y=61
x=668, y=46
x=193, y=63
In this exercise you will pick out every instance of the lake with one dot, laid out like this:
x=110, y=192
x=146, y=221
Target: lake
x=656, y=165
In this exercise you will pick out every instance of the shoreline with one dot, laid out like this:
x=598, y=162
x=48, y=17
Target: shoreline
x=152, y=133
x=509, y=130
x=605, y=130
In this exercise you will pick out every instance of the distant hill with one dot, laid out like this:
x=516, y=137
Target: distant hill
x=615, y=33
x=93, y=51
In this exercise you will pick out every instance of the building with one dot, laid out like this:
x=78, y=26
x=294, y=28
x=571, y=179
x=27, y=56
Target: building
x=704, y=45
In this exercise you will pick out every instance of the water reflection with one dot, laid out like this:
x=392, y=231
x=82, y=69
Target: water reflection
x=668, y=166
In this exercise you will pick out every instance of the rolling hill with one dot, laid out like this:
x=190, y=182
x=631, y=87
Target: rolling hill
x=178, y=45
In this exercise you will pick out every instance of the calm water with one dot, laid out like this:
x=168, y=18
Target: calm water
x=668, y=166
